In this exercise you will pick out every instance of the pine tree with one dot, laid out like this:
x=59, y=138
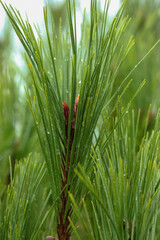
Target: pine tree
x=93, y=170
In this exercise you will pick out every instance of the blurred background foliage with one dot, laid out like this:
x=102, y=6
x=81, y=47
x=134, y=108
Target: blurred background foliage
x=17, y=132
x=145, y=27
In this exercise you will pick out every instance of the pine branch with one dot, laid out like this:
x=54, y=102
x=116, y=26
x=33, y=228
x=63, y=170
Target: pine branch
x=66, y=125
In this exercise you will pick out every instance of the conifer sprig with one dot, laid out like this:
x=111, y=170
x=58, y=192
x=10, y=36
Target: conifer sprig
x=126, y=204
x=62, y=70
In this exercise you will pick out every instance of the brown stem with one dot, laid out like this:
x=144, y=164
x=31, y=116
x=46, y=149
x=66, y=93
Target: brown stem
x=63, y=226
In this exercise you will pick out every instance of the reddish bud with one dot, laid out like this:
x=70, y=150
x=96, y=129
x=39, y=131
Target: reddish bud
x=131, y=228
x=151, y=115
x=75, y=112
x=124, y=224
x=76, y=105
x=66, y=112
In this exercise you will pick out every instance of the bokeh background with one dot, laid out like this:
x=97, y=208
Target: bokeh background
x=17, y=132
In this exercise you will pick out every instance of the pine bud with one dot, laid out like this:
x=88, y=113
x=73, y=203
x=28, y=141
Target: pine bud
x=75, y=112
x=66, y=112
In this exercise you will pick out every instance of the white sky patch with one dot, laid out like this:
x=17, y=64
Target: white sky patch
x=18, y=59
x=113, y=8
x=34, y=10
x=2, y=17
x=85, y=4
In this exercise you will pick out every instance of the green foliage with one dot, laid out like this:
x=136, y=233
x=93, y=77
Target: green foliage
x=62, y=57
x=145, y=28
x=103, y=171
x=125, y=192
x=17, y=133
x=19, y=215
